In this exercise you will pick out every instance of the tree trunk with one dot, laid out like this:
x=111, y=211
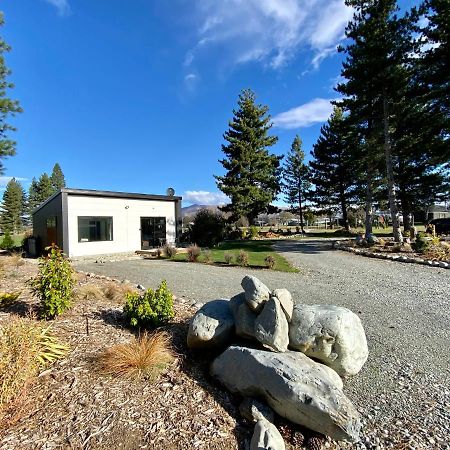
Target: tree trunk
x=344, y=209
x=390, y=175
x=300, y=210
x=369, y=200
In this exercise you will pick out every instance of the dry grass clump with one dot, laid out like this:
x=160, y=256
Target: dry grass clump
x=438, y=252
x=25, y=347
x=117, y=292
x=143, y=357
x=88, y=291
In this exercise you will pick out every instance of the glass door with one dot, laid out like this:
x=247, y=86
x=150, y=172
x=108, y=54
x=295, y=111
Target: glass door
x=153, y=232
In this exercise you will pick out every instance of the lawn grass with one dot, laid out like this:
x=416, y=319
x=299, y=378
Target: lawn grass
x=257, y=252
x=338, y=233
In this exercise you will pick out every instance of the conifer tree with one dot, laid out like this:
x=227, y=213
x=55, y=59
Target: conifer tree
x=252, y=177
x=45, y=188
x=33, y=196
x=13, y=208
x=57, y=178
x=8, y=107
x=376, y=70
x=296, y=179
x=334, y=166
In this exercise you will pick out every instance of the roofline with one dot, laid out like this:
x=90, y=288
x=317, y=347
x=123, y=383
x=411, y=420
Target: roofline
x=110, y=194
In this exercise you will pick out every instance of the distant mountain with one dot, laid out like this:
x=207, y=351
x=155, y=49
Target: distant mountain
x=192, y=209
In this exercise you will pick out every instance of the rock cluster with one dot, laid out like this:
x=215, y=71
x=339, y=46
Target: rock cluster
x=276, y=366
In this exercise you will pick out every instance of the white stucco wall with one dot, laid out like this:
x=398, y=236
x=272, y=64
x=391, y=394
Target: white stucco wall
x=126, y=222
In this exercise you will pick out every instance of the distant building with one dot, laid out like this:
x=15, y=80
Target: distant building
x=437, y=212
x=87, y=222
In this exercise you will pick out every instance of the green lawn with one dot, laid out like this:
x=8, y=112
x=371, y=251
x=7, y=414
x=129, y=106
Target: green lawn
x=381, y=232
x=257, y=251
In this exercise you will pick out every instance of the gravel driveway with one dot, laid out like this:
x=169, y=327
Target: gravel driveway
x=403, y=391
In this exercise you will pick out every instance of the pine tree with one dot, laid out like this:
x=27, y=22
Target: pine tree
x=45, y=188
x=334, y=168
x=296, y=178
x=33, y=196
x=252, y=177
x=57, y=178
x=8, y=107
x=13, y=207
x=377, y=76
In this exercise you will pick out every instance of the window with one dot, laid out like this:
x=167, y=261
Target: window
x=91, y=229
x=51, y=222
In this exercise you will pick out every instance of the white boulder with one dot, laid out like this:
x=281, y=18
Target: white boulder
x=256, y=292
x=331, y=334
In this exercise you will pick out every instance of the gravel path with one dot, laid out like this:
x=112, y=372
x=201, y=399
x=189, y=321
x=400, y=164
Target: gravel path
x=403, y=392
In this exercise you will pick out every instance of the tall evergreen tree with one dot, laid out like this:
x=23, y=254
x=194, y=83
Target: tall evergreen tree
x=13, y=207
x=33, y=196
x=296, y=178
x=57, y=178
x=334, y=166
x=45, y=188
x=376, y=70
x=252, y=177
x=8, y=107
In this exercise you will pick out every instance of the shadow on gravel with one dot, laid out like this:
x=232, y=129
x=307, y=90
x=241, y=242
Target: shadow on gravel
x=306, y=247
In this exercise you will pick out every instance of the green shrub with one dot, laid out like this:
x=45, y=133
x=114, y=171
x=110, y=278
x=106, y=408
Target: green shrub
x=269, y=261
x=193, y=252
x=208, y=228
x=244, y=233
x=228, y=257
x=170, y=251
x=152, y=308
x=242, y=258
x=7, y=242
x=253, y=231
x=54, y=283
x=421, y=245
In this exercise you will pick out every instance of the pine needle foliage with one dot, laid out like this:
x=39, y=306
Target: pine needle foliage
x=252, y=180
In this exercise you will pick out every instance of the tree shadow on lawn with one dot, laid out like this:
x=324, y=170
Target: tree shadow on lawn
x=306, y=247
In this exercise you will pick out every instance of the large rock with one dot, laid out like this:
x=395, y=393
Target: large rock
x=266, y=437
x=293, y=385
x=285, y=298
x=331, y=334
x=244, y=317
x=256, y=292
x=271, y=326
x=212, y=326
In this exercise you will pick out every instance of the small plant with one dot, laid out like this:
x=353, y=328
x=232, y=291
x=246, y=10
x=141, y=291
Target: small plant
x=244, y=233
x=269, y=261
x=117, y=292
x=170, y=251
x=228, y=257
x=89, y=291
x=152, y=308
x=8, y=298
x=242, y=258
x=54, y=283
x=207, y=257
x=193, y=253
x=7, y=242
x=421, y=245
x=253, y=231
x=143, y=357
x=25, y=347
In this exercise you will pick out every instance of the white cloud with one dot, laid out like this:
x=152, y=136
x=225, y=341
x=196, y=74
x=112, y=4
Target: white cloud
x=205, y=197
x=315, y=111
x=62, y=6
x=5, y=180
x=269, y=31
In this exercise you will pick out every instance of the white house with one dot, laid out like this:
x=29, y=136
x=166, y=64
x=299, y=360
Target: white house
x=87, y=222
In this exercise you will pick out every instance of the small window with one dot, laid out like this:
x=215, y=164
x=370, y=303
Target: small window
x=91, y=229
x=51, y=222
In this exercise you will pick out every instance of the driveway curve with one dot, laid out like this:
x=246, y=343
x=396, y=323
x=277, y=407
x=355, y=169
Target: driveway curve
x=405, y=310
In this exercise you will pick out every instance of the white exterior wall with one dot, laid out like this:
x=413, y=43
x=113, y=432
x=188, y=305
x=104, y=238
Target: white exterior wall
x=126, y=222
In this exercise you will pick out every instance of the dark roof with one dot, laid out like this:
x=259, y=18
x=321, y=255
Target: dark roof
x=111, y=194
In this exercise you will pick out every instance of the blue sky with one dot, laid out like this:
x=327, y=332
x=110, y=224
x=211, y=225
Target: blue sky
x=136, y=95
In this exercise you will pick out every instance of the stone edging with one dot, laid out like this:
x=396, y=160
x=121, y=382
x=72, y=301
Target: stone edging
x=401, y=258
